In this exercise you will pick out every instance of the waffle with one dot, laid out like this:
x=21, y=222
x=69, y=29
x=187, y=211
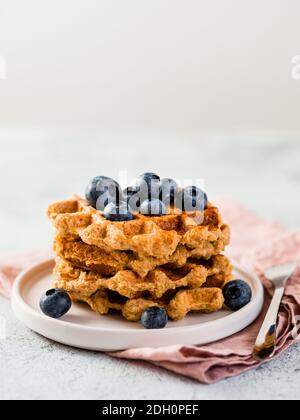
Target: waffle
x=171, y=261
x=160, y=282
x=132, y=295
x=86, y=239
x=200, y=300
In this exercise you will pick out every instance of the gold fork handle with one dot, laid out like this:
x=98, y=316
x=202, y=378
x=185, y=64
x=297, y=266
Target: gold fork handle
x=265, y=345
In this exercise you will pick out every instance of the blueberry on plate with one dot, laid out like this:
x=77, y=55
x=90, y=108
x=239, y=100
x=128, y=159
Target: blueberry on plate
x=118, y=212
x=149, y=185
x=104, y=187
x=169, y=190
x=191, y=199
x=237, y=294
x=55, y=303
x=153, y=208
x=154, y=318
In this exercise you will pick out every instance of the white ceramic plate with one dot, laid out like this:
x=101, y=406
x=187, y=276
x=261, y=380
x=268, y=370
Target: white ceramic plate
x=84, y=329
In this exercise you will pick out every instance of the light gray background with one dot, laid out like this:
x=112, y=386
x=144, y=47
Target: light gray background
x=40, y=165
x=195, y=64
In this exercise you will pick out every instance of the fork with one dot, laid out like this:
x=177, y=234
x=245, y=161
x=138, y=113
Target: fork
x=265, y=345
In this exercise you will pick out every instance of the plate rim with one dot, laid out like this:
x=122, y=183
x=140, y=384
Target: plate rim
x=18, y=301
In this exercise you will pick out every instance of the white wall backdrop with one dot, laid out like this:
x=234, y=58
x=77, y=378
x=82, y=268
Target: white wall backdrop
x=181, y=64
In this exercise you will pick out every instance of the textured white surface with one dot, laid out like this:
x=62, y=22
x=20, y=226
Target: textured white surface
x=261, y=171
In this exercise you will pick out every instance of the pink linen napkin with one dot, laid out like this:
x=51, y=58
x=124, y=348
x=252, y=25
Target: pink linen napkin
x=257, y=244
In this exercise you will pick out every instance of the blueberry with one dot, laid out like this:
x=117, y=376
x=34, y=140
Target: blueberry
x=154, y=318
x=130, y=191
x=149, y=177
x=118, y=212
x=237, y=294
x=55, y=303
x=131, y=195
x=191, y=199
x=105, y=199
x=104, y=187
x=148, y=185
x=153, y=208
x=169, y=189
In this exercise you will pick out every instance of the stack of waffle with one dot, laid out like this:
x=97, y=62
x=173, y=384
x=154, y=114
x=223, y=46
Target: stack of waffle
x=169, y=261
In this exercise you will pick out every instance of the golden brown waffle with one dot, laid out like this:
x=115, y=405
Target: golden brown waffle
x=158, y=283
x=169, y=261
x=90, y=257
x=86, y=239
x=204, y=300
x=177, y=304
